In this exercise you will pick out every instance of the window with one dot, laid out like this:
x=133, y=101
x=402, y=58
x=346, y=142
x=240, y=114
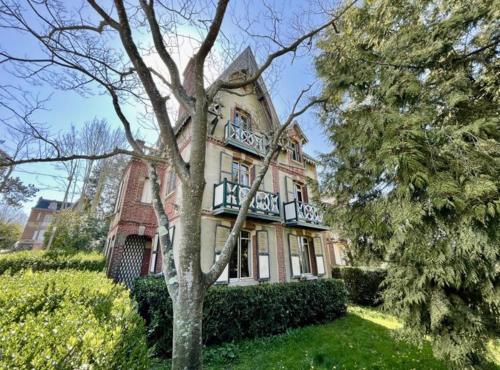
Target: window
x=40, y=235
x=305, y=263
x=240, y=173
x=241, y=119
x=240, y=264
x=299, y=192
x=47, y=219
x=53, y=205
x=146, y=191
x=295, y=149
x=171, y=181
x=300, y=252
x=119, y=197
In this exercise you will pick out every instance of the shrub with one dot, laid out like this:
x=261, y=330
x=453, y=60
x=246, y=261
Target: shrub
x=363, y=285
x=232, y=313
x=41, y=260
x=67, y=320
x=76, y=231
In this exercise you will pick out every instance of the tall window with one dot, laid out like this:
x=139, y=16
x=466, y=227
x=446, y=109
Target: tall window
x=294, y=147
x=300, y=254
x=240, y=173
x=241, y=119
x=299, y=192
x=171, y=182
x=240, y=264
x=146, y=191
x=305, y=248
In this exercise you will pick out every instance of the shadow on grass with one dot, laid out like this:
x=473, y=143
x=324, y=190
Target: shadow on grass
x=360, y=340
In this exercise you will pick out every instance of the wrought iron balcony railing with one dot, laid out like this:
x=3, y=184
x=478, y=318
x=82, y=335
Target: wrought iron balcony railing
x=245, y=139
x=229, y=195
x=300, y=213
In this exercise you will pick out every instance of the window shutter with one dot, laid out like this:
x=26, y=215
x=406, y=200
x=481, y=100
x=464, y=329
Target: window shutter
x=289, y=188
x=293, y=243
x=221, y=235
x=305, y=194
x=253, y=173
x=320, y=260
x=263, y=253
x=226, y=161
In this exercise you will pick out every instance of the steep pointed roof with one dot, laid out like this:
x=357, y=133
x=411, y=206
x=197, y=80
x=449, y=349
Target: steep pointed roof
x=245, y=62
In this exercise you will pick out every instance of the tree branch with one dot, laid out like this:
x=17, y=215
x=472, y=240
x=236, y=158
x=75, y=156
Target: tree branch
x=220, y=84
x=7, y=162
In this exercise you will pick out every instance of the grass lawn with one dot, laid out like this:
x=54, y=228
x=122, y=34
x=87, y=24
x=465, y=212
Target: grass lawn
x=360, y=340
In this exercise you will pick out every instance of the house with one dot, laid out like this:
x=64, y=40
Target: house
x=284, y=237
x=38, y=222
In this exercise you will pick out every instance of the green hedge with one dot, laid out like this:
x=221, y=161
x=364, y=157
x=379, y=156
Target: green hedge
x=232, y=313
x=42, y=261
x=69, y=319
x=362, y=284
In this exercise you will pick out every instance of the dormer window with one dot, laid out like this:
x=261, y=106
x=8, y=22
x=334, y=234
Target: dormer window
x=53, y=205
x=295, y=151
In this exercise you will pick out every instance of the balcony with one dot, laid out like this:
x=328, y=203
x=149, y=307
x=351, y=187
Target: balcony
x=228, y=197
x=299, y=214
x=244, y=139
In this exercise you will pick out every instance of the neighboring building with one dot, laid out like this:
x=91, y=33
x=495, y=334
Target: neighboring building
x=38, y=222
x=284, y=237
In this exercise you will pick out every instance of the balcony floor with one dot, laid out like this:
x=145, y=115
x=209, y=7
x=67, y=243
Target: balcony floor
x=251, y=215
x=306, y=225
x=242, y=146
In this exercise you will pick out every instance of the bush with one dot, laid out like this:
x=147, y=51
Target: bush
x=363, y=285
x=76, y=231
x=68, y=320
x=41, y=260
x=233, y=313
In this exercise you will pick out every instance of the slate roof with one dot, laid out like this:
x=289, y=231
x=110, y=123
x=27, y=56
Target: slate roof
x=45, y=203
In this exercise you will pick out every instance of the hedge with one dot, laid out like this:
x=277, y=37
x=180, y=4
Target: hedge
x=362, y=284
x=42, y=261
x=69, y=319
x=233, y=313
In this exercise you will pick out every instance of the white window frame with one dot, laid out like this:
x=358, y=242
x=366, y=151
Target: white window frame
x=146, y=196
x=295, y=151
x=239, y=173
x=250, y=258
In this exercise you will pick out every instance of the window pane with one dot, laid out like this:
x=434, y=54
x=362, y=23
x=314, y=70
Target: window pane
x=235, y=172
x=233, y=263
x=245, y=259
x=244, y=177
x=304, y=256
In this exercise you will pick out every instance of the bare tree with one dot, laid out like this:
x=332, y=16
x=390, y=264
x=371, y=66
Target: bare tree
x=78, y=51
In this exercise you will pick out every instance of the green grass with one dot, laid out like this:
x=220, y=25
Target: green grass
x=360, y=340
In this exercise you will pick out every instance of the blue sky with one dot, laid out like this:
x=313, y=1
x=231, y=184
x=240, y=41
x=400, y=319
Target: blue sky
x=65, y=108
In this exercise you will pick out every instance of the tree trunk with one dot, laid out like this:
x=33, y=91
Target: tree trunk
x=187, y=338
x=188, y=303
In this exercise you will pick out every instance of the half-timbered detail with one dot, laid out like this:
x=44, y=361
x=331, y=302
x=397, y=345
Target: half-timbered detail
x=284, y=237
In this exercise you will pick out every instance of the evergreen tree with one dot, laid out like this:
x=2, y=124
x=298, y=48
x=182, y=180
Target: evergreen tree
x=413, y=116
